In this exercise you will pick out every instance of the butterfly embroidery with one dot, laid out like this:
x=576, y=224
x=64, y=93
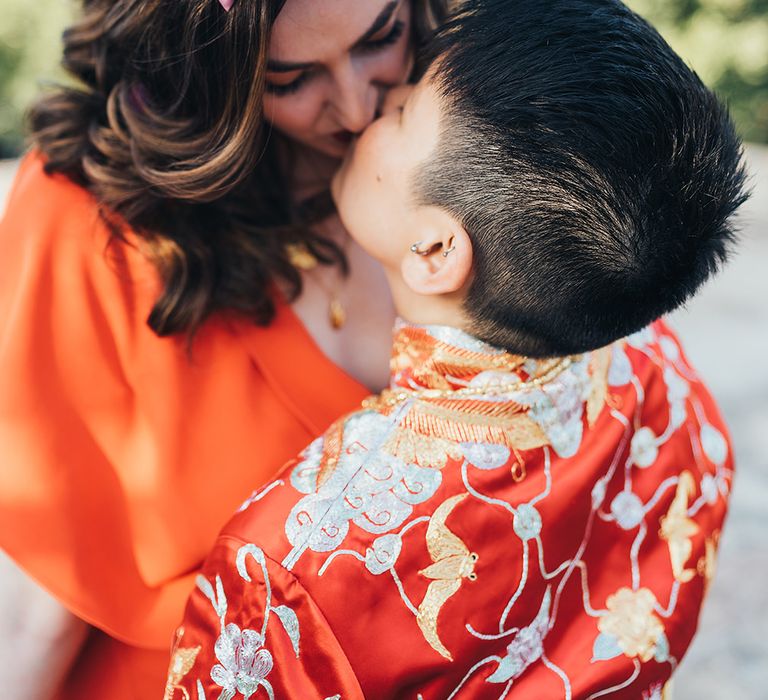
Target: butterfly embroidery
x=677, y=528
x=452, y=562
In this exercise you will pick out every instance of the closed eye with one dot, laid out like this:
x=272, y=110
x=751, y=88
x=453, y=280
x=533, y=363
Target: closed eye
x=288, y=88
x=370, y=46
x=373, y=45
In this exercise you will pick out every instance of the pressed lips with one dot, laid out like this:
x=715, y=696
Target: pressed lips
x=343, y=137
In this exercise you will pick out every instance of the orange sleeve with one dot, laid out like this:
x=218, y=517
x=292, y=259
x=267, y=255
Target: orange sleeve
x=69, y=321
x=122, y=453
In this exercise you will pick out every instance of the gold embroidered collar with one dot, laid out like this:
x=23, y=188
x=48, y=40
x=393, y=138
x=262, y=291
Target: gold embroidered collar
x=433, y=362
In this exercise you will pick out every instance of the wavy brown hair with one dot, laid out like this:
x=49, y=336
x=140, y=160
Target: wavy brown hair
x=164, y=126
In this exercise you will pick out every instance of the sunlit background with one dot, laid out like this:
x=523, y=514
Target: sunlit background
x=725, y=329
x=726, y=41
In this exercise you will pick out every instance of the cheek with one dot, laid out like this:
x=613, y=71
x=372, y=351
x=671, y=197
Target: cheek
x=370, y=201
x=393, y=66
x=370, y=162
x=293, y=114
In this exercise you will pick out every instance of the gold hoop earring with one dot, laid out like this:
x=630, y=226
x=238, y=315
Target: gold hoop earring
x=446, y=253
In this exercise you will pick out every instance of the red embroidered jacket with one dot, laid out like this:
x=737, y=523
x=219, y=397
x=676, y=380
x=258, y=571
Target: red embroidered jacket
x=491, y=526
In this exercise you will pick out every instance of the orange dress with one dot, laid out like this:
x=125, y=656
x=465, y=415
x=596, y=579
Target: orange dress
x=121, y=454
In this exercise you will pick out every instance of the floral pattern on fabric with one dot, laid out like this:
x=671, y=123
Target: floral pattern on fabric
x=490, y=526
x=243, y=662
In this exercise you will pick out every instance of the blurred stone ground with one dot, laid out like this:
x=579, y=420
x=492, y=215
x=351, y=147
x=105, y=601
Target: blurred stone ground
x=725, y=330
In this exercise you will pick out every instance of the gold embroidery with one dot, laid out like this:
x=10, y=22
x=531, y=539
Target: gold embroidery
x=631, y=620
x=452, y=562
x=181, y=664
x=332, y=445
x=431, y=432
x=432, y=361
x=424, y=450
x=707, y=565
x=518, y=466
x=599, y=364
x=677, y=528
x=392, y=397
x=475, y=422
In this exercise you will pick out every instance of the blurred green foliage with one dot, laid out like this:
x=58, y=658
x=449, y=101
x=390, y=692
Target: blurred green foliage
x=30, y=49
x=726, y=41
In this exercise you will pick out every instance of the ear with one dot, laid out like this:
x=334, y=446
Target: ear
x=445, y=262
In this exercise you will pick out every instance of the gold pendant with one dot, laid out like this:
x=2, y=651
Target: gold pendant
x=336, y=314
x=300, y=256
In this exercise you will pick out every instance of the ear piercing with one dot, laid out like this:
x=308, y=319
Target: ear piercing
x=415, y=249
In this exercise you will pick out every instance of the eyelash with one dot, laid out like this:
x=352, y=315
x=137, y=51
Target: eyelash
x=368, y=47
x=391, y=38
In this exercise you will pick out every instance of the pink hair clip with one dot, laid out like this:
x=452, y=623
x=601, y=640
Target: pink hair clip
x=227, y=4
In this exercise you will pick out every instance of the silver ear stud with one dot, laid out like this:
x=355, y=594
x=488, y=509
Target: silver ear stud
x=415, y=249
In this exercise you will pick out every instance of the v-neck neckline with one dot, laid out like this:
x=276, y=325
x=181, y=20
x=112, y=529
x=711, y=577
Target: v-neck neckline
x=315, y=389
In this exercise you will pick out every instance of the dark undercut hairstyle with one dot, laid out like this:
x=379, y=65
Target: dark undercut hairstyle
x=594, y=172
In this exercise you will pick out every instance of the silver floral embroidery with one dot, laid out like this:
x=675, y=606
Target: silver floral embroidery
x=526, y=648
x=485, y=455
x=243, y=662
x=558, y=407
x=678, y=391
x=372, y=489
x=598, y=493
x=290, y=624
x=304, y=476
x=644, y=448
x=641, y=339
x=527, y=522
x=714, y=445
x=382, y=554
x=628, y=510
x=620, y=371
x=709, y=488
x=669, y=348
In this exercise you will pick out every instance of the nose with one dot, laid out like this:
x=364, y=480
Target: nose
x=356, y=98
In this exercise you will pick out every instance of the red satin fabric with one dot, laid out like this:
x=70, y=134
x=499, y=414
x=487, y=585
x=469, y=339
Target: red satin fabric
x=566, y=554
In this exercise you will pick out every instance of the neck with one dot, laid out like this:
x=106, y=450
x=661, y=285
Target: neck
x=428, y=309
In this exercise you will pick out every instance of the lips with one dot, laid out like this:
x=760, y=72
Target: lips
x=343, y=137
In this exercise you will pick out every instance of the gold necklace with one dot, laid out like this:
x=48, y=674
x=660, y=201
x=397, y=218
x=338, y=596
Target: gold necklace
x=302, y=259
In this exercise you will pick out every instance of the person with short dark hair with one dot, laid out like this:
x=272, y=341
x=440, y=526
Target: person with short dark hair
x=533, y=508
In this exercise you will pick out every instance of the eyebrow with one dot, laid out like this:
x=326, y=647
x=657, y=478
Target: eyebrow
x=378, y=24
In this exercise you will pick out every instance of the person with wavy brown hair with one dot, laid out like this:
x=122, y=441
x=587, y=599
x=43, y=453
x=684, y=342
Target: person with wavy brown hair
x=174, y=289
